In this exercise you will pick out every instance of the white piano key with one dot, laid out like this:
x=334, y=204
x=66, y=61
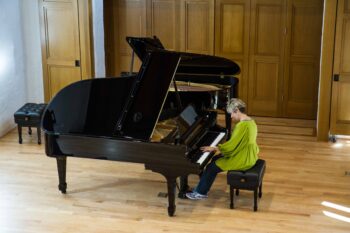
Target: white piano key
x=214, y=143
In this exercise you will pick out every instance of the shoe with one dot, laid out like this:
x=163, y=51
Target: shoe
x=195, y=196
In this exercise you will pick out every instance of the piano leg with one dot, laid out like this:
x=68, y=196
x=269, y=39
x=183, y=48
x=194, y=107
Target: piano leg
x=184, y=188
x=61, y=168
x=228, y=124
x=171, y=181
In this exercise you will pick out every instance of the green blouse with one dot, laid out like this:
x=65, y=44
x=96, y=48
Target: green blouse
x=241, y=151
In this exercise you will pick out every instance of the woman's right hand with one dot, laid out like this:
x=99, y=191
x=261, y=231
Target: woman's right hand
x=209, y=149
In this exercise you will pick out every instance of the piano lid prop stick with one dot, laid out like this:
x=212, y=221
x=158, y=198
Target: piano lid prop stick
x=178, y=97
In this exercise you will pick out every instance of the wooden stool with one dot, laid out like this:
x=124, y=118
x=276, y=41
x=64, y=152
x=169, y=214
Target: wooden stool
x=29, y=116
x=247, y=180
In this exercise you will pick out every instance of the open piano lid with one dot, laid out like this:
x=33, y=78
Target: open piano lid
x=190, y=63
x=147, y=96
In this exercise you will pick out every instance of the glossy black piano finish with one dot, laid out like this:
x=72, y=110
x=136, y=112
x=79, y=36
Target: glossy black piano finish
x=191, y=63
x=196, y=68
x=114, y=119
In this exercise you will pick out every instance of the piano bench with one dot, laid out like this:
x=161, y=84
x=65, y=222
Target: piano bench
x=29, y=116
x=247, y=180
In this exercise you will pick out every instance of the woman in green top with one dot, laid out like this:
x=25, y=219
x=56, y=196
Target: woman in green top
x=238, y=153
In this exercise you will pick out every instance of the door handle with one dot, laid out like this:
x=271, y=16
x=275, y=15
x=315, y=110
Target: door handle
x=77, y=63
x=336, y=77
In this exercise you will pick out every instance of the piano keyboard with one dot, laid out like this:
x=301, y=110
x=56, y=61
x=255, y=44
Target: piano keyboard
x=204, y=156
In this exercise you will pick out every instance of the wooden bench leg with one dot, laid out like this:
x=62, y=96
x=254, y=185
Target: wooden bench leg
x=260, y=190
x=19, y=134
x=39, y=135
x=232, y=206
x=256, y=199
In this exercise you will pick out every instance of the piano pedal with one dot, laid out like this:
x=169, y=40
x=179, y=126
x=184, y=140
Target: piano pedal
x=182, y=195
x=161, y=194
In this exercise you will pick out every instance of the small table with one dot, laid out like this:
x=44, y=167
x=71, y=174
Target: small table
x=29, y=116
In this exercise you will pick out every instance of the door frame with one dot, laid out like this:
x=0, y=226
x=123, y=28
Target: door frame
x=326, y=69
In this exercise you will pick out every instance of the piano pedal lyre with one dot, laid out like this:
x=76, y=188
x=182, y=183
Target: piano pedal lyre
x=164, y=195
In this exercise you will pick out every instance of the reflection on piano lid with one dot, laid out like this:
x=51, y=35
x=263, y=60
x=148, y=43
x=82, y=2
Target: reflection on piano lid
x=196, y=68
x=191, y=63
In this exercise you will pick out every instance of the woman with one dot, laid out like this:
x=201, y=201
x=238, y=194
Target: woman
x=238, y=153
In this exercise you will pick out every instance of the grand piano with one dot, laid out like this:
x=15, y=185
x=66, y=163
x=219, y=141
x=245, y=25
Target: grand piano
x=205, y=81
x=120, y=119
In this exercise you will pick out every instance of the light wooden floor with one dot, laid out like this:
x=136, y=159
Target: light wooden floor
x=121, y=197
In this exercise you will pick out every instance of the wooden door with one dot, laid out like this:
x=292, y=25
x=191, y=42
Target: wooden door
x=267, y=45
x=302, y=61
x=197, y=26
x=60, y=44
x=340, y=107
x=232, y=18
x=163, y=22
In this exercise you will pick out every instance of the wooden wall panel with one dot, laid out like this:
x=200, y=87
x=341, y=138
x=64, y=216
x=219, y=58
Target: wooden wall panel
x=267, y=50
x=232, y=36
x=301, y=89
x=232, y=19
x=344, y=100
x=347, y=6
x=304, y=20
x=345, y=56
x=280, y=33
x=306, y=29
x=264, y=88
x=162, y=22
x=197, y=26
x=131, y=21
x=299, y=71
x=268, y=25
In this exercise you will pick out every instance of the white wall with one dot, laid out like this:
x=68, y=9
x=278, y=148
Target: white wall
x=21, y=77
x=32, y=51
x=98, y=33
x=13, y=92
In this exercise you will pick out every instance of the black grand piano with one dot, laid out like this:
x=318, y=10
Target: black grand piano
x=120, y=119
x=205, y=81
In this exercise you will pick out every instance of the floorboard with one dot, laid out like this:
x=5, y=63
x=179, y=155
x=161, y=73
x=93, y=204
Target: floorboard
x=303, y=176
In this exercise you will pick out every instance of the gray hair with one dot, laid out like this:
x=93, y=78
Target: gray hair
x=234, y=104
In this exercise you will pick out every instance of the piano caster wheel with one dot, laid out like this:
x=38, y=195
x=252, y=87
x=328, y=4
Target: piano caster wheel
x=63, y=188
x=171, y=211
